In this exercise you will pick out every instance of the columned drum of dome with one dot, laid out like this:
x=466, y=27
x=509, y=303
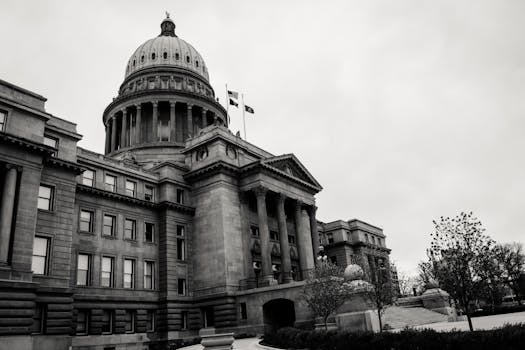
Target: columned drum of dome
x=165, y=100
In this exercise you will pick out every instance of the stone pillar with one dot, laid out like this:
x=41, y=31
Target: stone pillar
x=155, y=121
x=204, y=120
x=304, y=241
x=189, y=118
x=108, y=137
x=113, y=133
x=6, y=212
x=313, y=231
x=215, y=119
x=264, y=234
x=123, y=130
x=172, y=122
x=138, y=124
x=286, y=263
x=246, y=236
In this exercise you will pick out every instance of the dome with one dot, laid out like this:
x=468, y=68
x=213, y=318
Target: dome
x=167, y=50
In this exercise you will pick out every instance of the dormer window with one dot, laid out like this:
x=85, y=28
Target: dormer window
x=188, y=59
x=197, y=64
x=165, y=55
x=134, y=63
x=142, y=59
x=153, y=56
x=177, y=56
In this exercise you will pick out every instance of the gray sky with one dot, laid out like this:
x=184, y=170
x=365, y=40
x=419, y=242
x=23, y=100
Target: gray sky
x=403, y=110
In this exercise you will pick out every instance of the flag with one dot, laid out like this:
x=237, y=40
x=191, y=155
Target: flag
x=233, y=94
x=249, y=109
x=233, y=103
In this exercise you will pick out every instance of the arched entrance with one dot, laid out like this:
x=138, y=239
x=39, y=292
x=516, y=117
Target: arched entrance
x=278, y=313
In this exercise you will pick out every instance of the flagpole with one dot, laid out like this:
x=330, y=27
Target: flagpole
x=243, y=117
x=227, y=104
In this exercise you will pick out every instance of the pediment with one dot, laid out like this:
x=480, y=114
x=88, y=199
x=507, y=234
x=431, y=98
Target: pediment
x=291, y=166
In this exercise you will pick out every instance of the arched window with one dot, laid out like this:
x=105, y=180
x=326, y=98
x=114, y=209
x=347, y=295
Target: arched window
x=153, y=55
x=165, y=55
x=197, y=63
x=177, y=56
x=188, y=59
x=142, y=59
x=134, y=63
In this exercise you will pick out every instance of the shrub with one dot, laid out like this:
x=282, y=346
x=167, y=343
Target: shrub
x=508, y=337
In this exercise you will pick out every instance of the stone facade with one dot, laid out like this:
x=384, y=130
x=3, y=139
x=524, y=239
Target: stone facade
x=180, y=225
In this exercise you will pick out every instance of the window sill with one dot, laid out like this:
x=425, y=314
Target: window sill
x=46, y=211
x=130, y=240
x=150, y=243
x=87, y=233
x=109, y=237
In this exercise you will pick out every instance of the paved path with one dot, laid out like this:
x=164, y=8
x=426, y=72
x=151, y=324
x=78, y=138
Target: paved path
x=238, y=344
x=485, y=322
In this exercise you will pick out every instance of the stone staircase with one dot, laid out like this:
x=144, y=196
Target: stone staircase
x=399, y=317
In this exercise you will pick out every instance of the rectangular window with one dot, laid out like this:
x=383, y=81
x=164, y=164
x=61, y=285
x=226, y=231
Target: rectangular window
x=254, y=230
x=330, y=238
x=86, y=220
x=106, y=273
x=291, y=239
x=274, y=235
x=295, y=273
x=149, y=232
x=3, y=120
x=45, y=197
x=131, y=188
x=184, y=320
x=180, y=196
x=83, y=270
x=109, y=225
x=129, y=321
x=39, y=319
x=181, y=249
x=148, y=193
x=82, y=322
x=244, y=311
x=130, y=229
x=149, y=272
x=51, y=142
x=88, y=178
x=150, y=321
x=181, y=286
x=40, y=255
x=110, y=183
x=129, y=273
x=333, y=260
x=107, y=321
x=276, y=269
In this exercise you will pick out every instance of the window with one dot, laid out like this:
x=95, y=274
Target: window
x=86, y=221
x=181, y=243
x=274, y=235
x=177, y=56
x=291, y=239
x=109, y=225
x=51, y=142
x=83, y=270
x=366, y=238
x=3, y=120
x=165, y=55
x=180, y=196
x=255, y=231
x=149, y=270
x=295, y=273
x=150, y=321
x=39, y=318
x=142, y=59
x=153, y=56
x=110, y=183
x=187, y=59
x=184, y=320
x=40, y=255
x=106, y=274
x=197, y=64
x=107, y=322
x=181, y=286
x=88, y=178
x=333, y=259
x=149, y=232
x=244, y=311
x=131, y=188
x=148, y=193
x=330, y=237
x=129, y=321
x=129, y=273
x=82, y=322
x=164, y=130
x=130, y=229
x=45, y=197
x=373, y=240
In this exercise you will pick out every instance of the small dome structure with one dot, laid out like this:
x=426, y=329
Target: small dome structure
x=353, y=272
x=167, y=50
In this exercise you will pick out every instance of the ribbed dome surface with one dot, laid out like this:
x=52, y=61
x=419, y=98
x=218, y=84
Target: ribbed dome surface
x=167, y=50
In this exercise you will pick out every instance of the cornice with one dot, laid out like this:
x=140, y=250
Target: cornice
x=70, y=166
x=211, y=169
x=31, y=145
x=357, y=244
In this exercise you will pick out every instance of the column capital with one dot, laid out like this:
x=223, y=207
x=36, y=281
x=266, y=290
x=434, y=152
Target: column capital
x=13, y=167
x=172, y=104
x=298, y=204
x=138, y=106
x=189, y=106
x=311, y=209
x=281, y=197
x=124, y=111
x=260, y=191
x=155, y=103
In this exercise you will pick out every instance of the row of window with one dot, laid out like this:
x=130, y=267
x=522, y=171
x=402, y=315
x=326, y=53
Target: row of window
x=274, y=235
x=3, y=120
x=164, y=56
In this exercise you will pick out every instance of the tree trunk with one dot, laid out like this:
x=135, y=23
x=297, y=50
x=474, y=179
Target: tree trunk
x=326, y=323
x=469, y=321
x=380, y=320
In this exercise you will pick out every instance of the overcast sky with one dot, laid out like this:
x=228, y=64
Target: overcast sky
x=403, y=110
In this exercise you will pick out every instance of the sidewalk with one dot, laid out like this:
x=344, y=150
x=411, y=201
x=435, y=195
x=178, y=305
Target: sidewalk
x=238, y=344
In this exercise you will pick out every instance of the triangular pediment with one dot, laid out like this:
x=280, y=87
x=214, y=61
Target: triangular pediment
x=291, y=166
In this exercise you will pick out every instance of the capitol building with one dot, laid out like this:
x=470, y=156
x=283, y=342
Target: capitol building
x=178, y=226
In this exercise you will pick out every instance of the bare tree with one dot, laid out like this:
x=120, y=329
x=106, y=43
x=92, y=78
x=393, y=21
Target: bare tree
x=512, y=260
x=325, y=290
x=491, y=273
x=456, y=248
x=381, y=294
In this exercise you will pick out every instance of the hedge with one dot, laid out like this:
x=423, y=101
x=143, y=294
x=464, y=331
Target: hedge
x=509, y=337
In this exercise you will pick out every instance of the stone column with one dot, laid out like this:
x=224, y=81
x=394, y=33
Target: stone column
x=204, y=121
x=313, y=231
x=189, y=118
x=6, y=212
x=264, y=234
x=113, y=133
x=155, y=121
x=173, y=135
x=304, y=241
x=246, y=236
x=138, y=124
x=108, y=137
x=123, y=130
x=286, y=263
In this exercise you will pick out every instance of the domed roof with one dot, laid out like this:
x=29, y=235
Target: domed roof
x=167, y=50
